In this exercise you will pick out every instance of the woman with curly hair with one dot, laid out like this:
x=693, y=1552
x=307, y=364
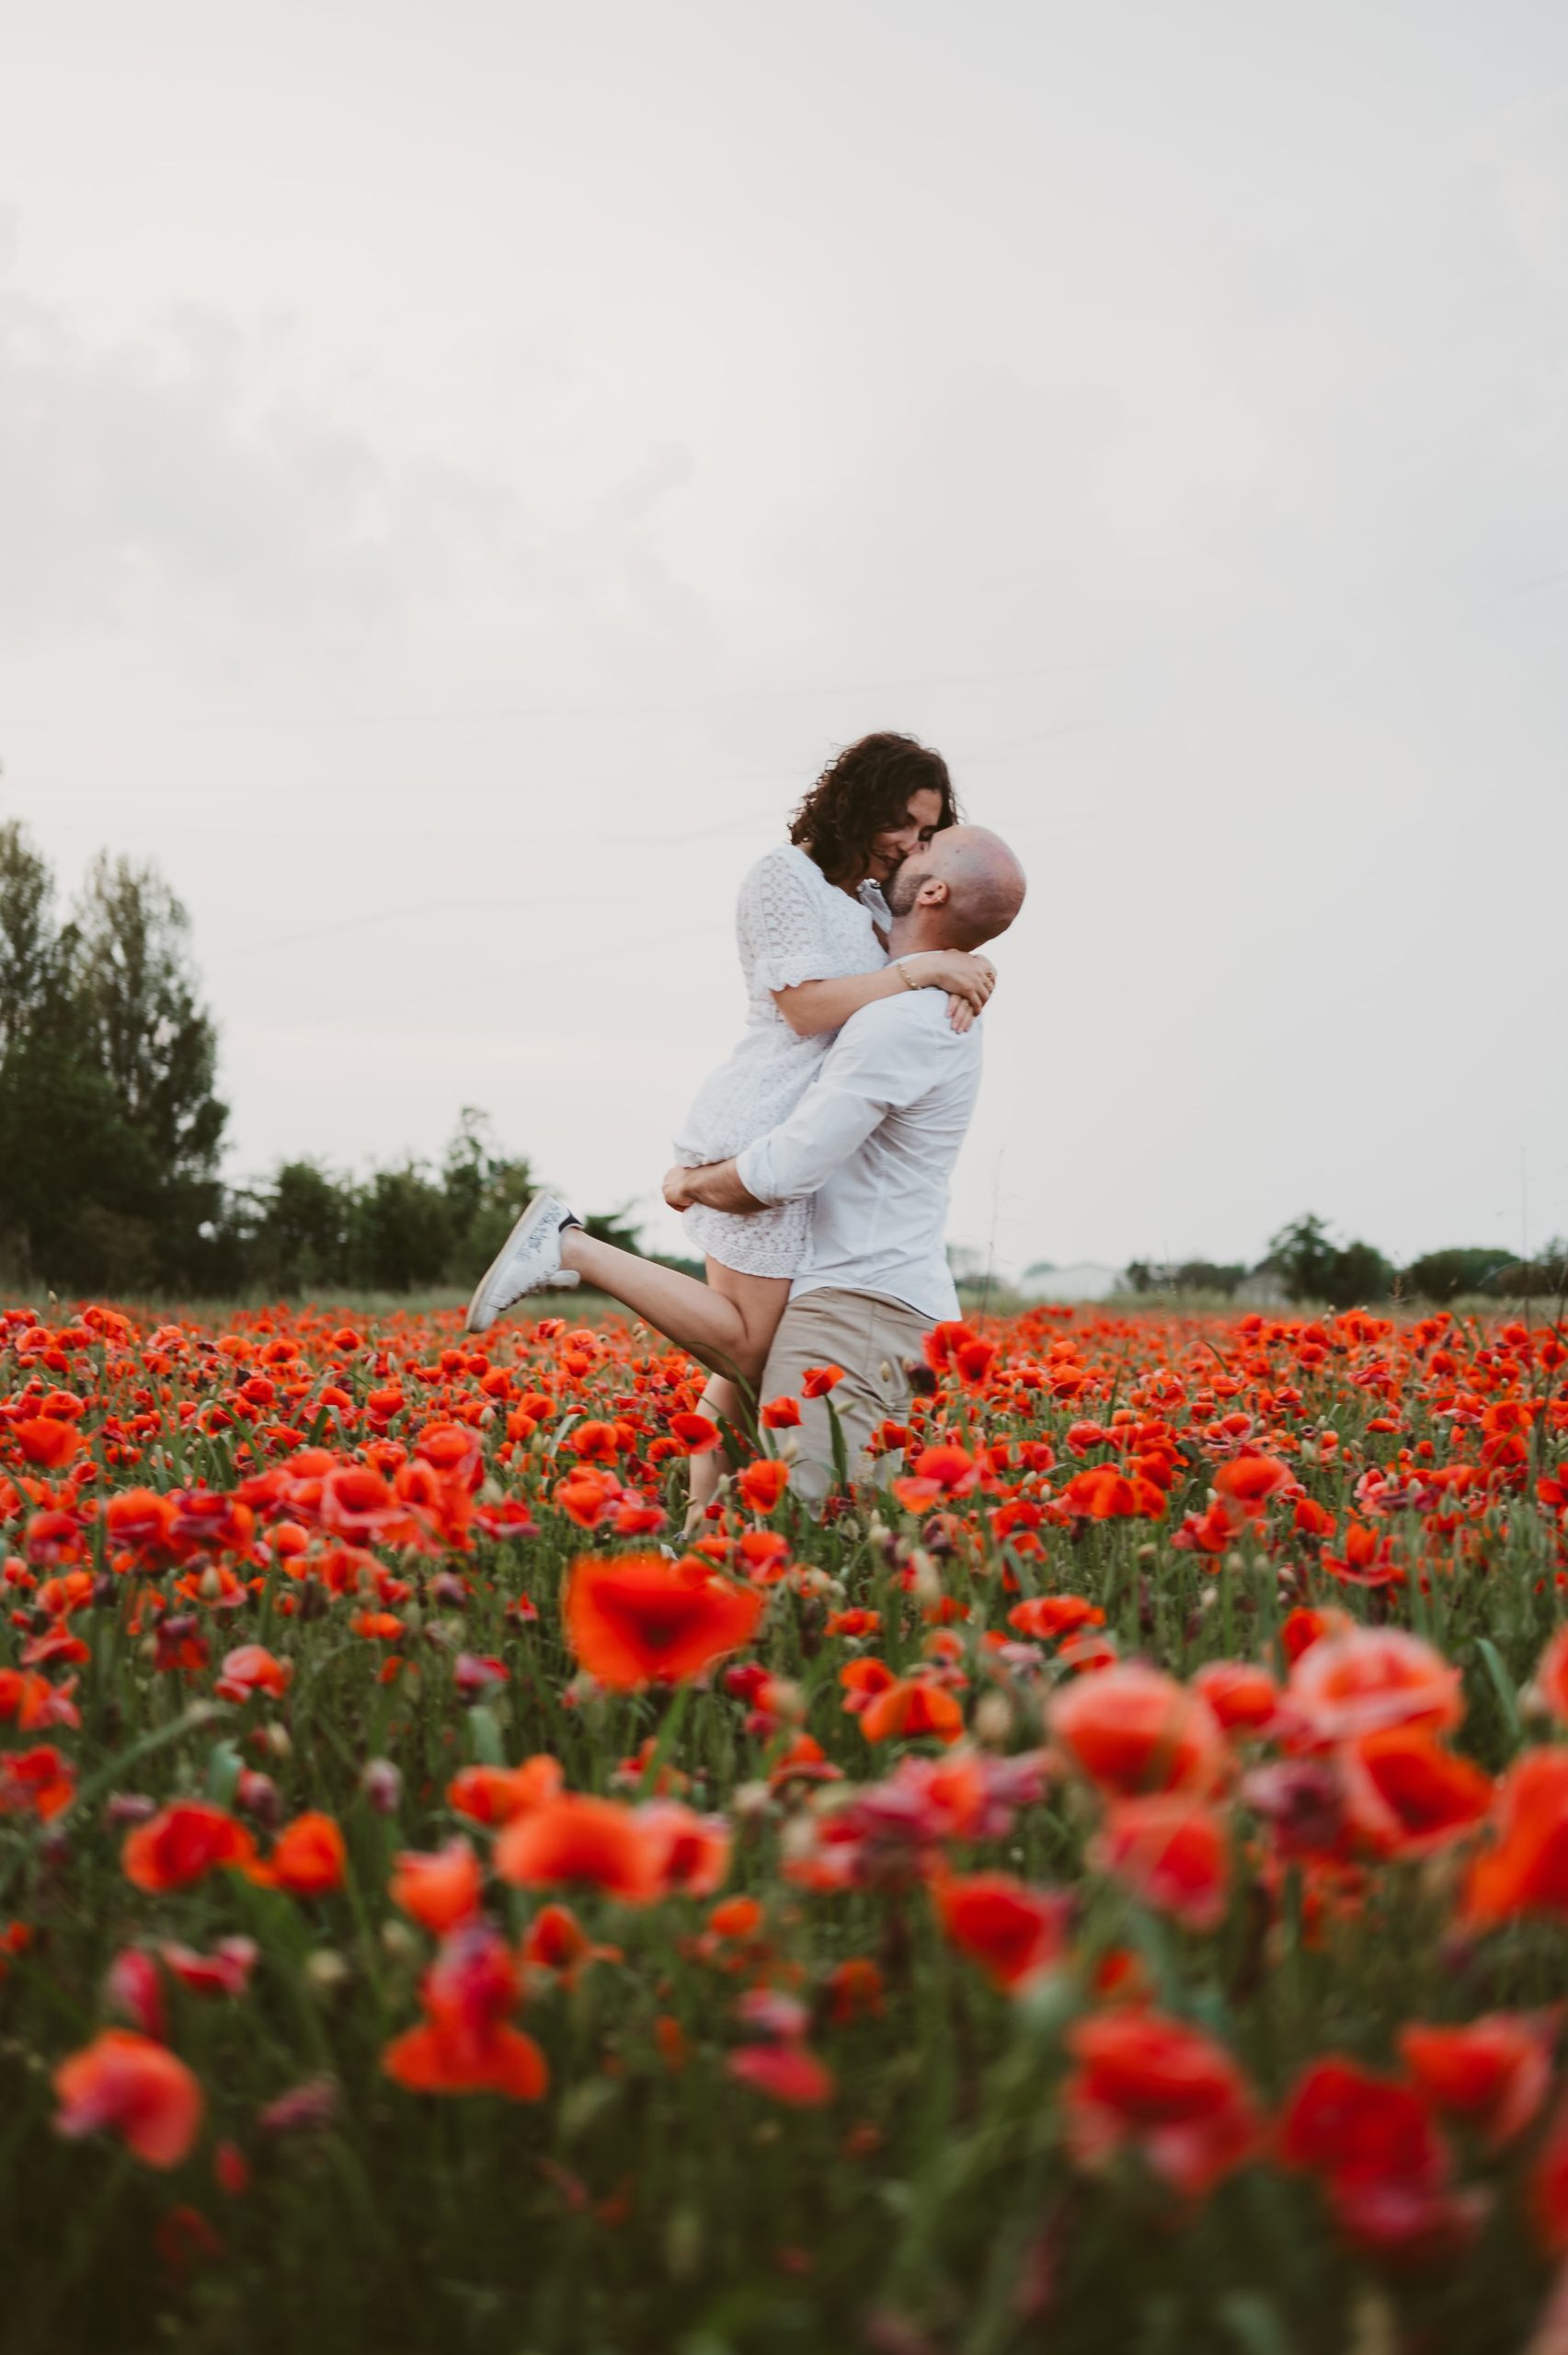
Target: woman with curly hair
x=810, y=924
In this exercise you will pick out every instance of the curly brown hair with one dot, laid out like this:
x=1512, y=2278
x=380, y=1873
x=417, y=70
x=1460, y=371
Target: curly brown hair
x=863, y=793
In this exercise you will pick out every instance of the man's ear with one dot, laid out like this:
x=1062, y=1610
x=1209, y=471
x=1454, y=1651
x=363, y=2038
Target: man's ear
x=932, y=892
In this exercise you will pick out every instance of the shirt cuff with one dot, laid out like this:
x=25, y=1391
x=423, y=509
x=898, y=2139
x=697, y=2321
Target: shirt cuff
x=754, y=1170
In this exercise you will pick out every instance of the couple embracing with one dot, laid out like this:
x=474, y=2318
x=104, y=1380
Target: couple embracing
x=814, y=1165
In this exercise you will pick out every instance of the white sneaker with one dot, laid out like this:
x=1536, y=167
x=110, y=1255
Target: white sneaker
x=529, y=1261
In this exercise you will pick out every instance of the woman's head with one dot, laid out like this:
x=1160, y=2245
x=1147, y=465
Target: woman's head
x=880, y=800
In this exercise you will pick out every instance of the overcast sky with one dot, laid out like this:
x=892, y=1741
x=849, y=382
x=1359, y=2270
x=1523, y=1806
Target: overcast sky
x=465, y=467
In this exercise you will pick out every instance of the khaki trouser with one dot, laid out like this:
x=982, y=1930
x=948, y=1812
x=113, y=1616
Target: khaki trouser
x=870, y=1337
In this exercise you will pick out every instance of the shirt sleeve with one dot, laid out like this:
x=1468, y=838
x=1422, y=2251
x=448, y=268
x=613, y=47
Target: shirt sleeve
x=884, y=1058
x=780, y=920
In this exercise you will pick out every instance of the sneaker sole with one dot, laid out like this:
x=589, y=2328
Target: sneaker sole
x=533, y=1209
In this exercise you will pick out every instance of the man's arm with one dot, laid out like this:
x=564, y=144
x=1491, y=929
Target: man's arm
x=716, y=1186
x=883, y=1059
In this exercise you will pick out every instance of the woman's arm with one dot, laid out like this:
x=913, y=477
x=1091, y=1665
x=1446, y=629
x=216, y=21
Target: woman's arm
x=811, y=1007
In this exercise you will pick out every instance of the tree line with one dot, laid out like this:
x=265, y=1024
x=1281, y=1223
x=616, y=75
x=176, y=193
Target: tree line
x=111, y=1126
x=1310, y=1266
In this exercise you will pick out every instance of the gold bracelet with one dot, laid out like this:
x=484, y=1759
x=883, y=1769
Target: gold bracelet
x=903, y=969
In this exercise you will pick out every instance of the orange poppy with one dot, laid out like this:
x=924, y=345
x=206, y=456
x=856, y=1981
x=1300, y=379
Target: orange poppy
x=592, y=1843
x=308, y=1858
x=635, y=1619
x=494, y=1794
x=440, y=1890
x=762, y=1483
x=909, y=1709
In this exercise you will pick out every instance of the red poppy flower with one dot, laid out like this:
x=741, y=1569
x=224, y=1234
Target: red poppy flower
x=466, y=2044
x=1363, y=1679
x=1151, y=2084
x=637, y=1619
x=1527, y=1870
x=1132, y=1730
x=1013, y=1932
x=1241, y=1693
x=786, y=2072
x=129, y=2085
x=1494, y=2075
x=45, y=1442
x=1047, y=1616
x=1171, y=1851
x=1407, y=1796
x=182, y=1843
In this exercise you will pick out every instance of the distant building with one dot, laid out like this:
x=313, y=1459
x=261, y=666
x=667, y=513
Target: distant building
x=1265, y=1288
x=1085, y=1280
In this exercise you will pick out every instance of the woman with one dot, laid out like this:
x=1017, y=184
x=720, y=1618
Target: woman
x=812, y=955
x=810, y=925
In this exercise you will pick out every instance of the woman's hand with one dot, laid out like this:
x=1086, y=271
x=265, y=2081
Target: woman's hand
x=674, y=1187
x=968, y=979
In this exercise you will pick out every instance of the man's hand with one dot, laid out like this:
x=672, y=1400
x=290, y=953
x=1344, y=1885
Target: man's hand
x=716, y=1186
x=675, y=1188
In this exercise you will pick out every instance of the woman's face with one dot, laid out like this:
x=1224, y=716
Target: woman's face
x=923, y=815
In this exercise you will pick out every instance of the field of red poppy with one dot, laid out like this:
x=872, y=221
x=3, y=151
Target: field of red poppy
x=1110, y=1889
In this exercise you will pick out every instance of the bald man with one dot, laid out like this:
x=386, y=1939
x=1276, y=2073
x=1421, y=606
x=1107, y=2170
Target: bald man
x=872, y=1142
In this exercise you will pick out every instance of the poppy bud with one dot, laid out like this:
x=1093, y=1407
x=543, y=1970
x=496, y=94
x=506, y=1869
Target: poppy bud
x=993, y=1719
x=210, y=1586
x=134, y=1989
x=258, y=1795
x=278, y=1741
x=382, y=1784
x=326, y=1971
x=304, y=2108
x=448, y=1592
x=128, y=1806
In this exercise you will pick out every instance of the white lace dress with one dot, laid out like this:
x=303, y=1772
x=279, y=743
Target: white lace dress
x=791, y=925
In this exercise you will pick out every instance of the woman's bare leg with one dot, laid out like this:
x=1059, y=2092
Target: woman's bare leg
x=760, y=1300
x=731, y=1335
x=722, y=1403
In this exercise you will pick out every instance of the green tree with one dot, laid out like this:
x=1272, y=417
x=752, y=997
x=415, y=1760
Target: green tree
x=150, y=1035
x=72, y=1174
x=1316, y=1267
x=403, y=1232
x=1441, y=1276
x=303, y=1238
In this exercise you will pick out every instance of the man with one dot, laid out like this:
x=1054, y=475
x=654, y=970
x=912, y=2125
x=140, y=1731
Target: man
x=872, y=1141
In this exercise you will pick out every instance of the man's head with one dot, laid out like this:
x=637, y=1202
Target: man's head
x=958, y=891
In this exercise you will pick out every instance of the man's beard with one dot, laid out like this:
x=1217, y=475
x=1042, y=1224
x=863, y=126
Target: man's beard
x=903, y=886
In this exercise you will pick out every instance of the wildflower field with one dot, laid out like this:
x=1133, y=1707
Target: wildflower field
x=1110, y=1889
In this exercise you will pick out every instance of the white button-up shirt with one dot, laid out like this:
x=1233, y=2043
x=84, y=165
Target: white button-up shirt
x=874, y=1139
